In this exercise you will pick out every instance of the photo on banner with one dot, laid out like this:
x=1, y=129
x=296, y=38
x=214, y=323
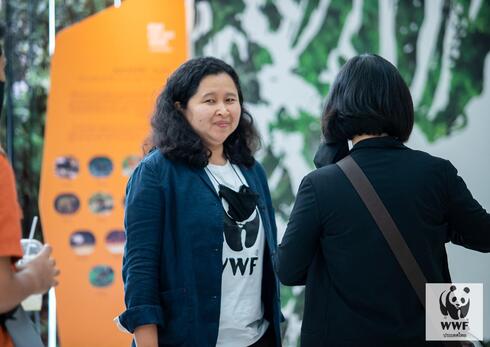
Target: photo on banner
x=106, y=73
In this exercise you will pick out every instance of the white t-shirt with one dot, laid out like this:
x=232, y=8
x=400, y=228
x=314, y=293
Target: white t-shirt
x=242, y=320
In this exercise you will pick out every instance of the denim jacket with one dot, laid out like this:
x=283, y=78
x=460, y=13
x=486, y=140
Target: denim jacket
x=172, y=263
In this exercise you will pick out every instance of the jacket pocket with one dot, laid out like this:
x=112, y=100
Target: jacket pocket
x=177, y=317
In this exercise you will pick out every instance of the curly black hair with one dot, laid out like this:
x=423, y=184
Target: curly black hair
x=173, y=135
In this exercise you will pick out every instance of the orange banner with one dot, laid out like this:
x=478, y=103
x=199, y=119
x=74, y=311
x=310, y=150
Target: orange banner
x=105, y=76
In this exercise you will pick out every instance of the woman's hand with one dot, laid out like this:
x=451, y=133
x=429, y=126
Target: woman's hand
x=34, y=277
x=41, y=270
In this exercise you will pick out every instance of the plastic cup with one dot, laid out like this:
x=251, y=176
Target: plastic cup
x=31, y=248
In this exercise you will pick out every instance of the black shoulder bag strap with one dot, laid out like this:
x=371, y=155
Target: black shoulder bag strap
x=388, y=228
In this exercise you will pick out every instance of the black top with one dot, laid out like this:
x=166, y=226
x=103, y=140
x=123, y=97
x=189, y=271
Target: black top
x=356, y=292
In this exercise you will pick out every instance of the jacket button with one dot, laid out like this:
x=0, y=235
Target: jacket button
x=214, y=297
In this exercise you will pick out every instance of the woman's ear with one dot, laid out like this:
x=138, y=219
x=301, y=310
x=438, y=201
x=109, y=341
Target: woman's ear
x=178, y=106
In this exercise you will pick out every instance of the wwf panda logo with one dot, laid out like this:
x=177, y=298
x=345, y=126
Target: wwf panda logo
x=233, y=232
x=455, y=302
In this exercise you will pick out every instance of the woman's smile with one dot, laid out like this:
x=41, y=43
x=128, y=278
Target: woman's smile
x=222, y=124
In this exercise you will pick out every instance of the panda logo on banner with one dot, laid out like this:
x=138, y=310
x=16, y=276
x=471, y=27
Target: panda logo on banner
x=454, y=311
x=455, y=302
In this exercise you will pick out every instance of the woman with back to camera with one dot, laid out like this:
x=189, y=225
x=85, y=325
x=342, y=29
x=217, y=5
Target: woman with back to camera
x=200, y=227
x=357, y=293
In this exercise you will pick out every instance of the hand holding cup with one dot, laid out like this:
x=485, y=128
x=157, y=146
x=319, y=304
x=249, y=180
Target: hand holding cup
x=41, y=268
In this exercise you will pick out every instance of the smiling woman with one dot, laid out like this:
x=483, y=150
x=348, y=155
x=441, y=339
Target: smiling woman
x=200, y=228
x=214, y=112
x=203, y=86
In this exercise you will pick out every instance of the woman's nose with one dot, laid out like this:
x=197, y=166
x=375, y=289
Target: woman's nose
x=222, y=109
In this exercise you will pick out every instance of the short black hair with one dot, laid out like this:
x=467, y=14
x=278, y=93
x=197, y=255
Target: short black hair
x=368, y=96
x=174, y=136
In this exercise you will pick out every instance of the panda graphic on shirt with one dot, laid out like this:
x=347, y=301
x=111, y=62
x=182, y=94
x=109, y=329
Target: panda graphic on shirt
x=233, y=232
x=240, y=236
x=240, y=248
x=242, y=320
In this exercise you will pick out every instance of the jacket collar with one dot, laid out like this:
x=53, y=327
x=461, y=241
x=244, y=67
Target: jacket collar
x=204, y=176
x=379, y=142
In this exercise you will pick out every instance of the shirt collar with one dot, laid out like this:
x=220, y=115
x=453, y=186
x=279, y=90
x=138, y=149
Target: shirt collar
x=379, y=142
